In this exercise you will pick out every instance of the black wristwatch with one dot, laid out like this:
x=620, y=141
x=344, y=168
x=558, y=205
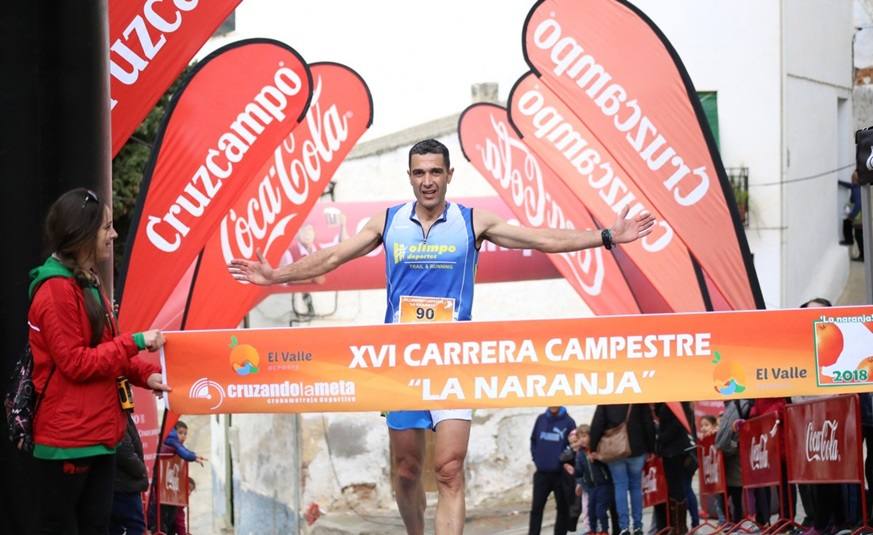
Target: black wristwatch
x=606, y=236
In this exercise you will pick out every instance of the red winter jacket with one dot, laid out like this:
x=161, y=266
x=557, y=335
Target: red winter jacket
x=80, y=406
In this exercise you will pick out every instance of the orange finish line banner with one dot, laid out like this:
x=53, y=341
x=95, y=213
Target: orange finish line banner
x=616, y=359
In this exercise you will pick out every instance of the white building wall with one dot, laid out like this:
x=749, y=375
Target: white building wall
x=817, y=39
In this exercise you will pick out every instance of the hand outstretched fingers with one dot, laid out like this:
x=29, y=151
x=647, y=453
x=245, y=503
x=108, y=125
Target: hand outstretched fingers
x=647, y=224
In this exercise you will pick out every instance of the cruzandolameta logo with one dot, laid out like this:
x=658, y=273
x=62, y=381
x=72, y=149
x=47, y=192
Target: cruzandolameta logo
x=204, y=388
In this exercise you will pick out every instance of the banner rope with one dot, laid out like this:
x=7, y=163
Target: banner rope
x=804, y=178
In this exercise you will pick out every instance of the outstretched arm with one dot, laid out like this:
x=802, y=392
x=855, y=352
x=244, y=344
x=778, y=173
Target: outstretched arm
x=494, y=229
x=314, y=265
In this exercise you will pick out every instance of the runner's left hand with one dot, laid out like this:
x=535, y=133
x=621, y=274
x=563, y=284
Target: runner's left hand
x=627, y=230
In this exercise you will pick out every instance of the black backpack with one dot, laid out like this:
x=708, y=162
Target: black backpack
x=22, y=402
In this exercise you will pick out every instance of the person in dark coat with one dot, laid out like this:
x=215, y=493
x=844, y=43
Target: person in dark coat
x=131, y=480
x=677, y=448
x=627, y=473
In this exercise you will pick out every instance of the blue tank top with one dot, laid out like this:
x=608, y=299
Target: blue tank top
x=441, y=264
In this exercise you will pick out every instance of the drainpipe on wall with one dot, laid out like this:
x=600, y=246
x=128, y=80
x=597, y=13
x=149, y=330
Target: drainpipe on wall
x=784, y=161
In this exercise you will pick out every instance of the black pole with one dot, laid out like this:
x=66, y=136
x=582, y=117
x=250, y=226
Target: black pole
x=54, y=136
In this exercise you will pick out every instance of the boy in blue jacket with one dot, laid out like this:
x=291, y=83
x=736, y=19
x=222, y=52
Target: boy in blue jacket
x=175, y=443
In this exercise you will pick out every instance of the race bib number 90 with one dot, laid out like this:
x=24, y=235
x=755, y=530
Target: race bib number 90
x=426, y=309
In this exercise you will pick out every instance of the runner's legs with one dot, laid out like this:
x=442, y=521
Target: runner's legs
x=450, y=449
x=407, y=451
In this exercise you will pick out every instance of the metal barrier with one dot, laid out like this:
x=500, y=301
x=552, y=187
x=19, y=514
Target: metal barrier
x=824, y=436
x=655, y=488
x=760, y=445
x=712, y=482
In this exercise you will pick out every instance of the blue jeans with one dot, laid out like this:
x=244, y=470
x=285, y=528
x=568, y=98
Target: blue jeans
x=693, y=506
x=627, y=477
x=599, y=498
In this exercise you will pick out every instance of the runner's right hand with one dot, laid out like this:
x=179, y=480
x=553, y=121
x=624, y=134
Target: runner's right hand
x=260, y=272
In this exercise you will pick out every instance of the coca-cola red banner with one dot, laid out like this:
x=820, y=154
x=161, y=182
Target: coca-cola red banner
x=711, y=476
x=215, y=138
x=150, y=42
x=824, y=438
x=585, y=166
x=270, y=211
x=648, y=123
x=539, y=199
x=654, y=482
x=761, y=451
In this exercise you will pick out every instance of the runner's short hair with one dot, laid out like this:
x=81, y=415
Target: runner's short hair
x=430, y=146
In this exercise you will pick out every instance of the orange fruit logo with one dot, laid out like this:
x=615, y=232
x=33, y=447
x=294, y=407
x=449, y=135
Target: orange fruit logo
x=829, y=343
x=244, y=358
x=728, y=377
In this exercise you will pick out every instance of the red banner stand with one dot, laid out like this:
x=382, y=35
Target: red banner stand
x=760, y=447
x=172, y=484
x=655, y=488
x=825, y=438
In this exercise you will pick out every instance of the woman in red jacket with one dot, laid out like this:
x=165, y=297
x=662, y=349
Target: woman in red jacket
x=78, y=357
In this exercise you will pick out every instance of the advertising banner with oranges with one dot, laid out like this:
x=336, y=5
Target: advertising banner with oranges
x=616, y=359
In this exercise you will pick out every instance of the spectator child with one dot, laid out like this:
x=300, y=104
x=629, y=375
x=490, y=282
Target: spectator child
x=131, y=480
x=175, y=443
x=593, y=478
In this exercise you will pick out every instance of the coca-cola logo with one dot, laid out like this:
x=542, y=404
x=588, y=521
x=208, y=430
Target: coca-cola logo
x=263, y=222
x=171, y=477
x=524, y=183
x=650, y=480
x=711, y=472
x=759, y=457
x=822, y=443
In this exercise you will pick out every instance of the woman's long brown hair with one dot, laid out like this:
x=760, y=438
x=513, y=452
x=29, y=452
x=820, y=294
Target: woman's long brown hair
x=71, y=228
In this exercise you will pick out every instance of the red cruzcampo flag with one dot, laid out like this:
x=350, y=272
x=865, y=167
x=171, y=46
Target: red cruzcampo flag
x=586, y=167
x=150, y=42
x=621, y=78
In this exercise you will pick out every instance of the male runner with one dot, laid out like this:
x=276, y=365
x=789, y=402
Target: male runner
x=431, y=249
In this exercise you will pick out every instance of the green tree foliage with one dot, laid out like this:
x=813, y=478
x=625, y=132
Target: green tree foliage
x=129, y=166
